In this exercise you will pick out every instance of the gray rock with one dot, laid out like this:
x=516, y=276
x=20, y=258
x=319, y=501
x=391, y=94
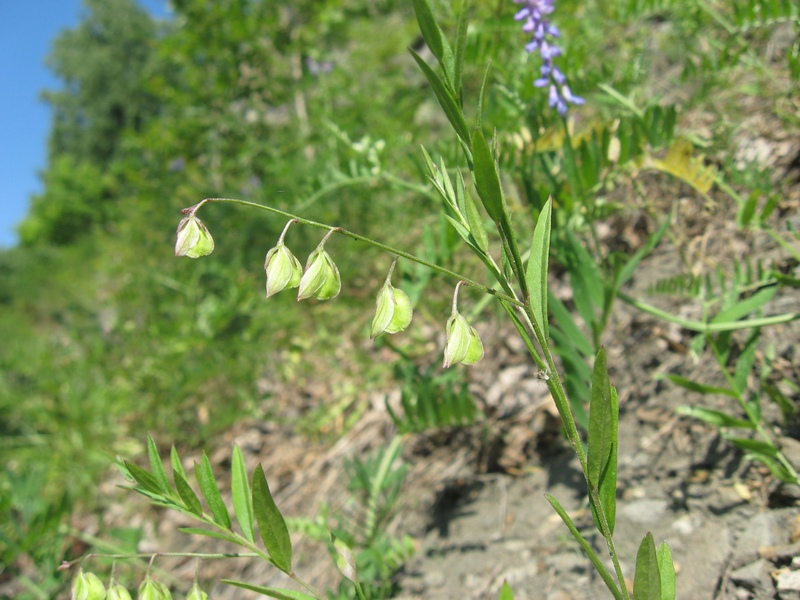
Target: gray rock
x=761, y=530
x=788, y=584
x=755, y=578
x=644, y=511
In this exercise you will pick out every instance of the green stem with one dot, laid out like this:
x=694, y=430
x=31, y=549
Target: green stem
x=366, y=240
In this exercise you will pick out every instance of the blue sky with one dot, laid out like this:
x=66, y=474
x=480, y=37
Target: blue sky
x=27, y=28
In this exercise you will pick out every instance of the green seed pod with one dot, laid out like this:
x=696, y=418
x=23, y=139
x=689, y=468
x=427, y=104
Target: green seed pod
x=194, y=240
x=321, y=279
x=117, y=591
x=463, y=344
x=153, y=590
x=283, y=270
x=196, y=593
x=393, y=311
x=87, y=586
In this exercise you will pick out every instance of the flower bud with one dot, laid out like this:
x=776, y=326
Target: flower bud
x=117, y=591
x=393, y=312
x=196, y=593
x=321, y=279
x=87, y=586
x=194, y=240
x=153, y=590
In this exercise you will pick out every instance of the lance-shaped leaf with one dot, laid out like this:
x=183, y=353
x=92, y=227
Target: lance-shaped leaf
x=447, y=101
x=271, y=524
x=187, y=494
x=602, y=444
x=434, y=38
x=242, y=499
x=208, y=486
x=487, y=180
x=647, y=580
x=157, y=467
x=144, y=478
x=666, y=570
x=279, y=593
x=538, y=265
x=345, y=559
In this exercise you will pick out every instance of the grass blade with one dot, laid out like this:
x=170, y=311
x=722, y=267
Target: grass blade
x=271, y=525
x=208, y=486
x=446, y=100
x=713, y=417
x=242, y=499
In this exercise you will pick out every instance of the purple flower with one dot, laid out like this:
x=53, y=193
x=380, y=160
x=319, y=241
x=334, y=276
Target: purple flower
x=534, y=12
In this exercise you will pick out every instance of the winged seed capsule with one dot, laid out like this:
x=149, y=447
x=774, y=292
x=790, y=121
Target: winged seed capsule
x=463, y=344
x=321, y=279
x=393, y=311
x=87, y=586
x=193, y=239
x=282, y=267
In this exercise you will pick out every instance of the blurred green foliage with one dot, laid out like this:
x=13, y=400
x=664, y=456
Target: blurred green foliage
x=312, y=106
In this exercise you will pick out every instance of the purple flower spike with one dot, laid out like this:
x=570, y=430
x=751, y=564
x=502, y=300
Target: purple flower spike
x=540, y=29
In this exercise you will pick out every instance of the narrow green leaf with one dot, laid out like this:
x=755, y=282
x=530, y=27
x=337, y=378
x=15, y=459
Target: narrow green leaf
x=647, y=581
x=713, y=417
x=345, y=559
x=778, y=397
x=775, y=467
x=475, y=222
x=745, y=360
x=157, y=467
x=461, y=46
x=177, y=465
x=187, y=494
x=700, y=388
x=278, y=593
x=479, y=117
x=745, y=307
x=208, y=486
x=748, y=209
x=755, y=446
x=601, y=442
x=666, y=569
x=595, y=560
x=585, y=278
x=209, y=533
x=242, y=499
x=434, y=38
x=505, y=592
x=271, y=524
x=538, y=265
x=449, y=104
x=487, y=180
x=144, y=478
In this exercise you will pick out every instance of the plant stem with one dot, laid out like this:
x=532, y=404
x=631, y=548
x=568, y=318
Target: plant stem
x=366, y=240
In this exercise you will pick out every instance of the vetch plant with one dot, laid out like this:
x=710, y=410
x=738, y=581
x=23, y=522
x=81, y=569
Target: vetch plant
x=521, y=280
